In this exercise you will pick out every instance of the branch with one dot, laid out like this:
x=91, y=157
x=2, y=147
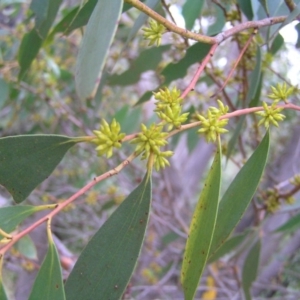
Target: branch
x=247, y=25
x=169, y=25
x=202, y=65
x=62, y=205
x=235, y=64
x=200, y=37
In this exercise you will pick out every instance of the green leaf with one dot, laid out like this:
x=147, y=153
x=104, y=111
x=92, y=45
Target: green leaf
x=128, y=118
x=29, y=48
x=192, y=139
x=255, y=77
x=147, y=60
x=32, y=41
x=12, y=216
x=44, y=27
x=297, y=27
x=291, y=225
x=217, y=27
x=49, y=282
x=291, y=16
x=82, y=16
x=246, y=7
x=191, y=10
x=40, y=9
x=233, y=140
x=250, y=269
x=107, y=263
x=201, y=230
x=264, y=5
x=27, y=247
x=228, y=246
x=64, y=23
x=239, y=194
x=178, y=70
x=277, y=44
x=4, y=92
x=255, y=101
x=2, y=290
x=27, y=160
x=95, y=44
x=146, y=97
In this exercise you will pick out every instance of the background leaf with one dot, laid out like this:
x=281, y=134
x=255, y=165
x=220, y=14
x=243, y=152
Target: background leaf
x=29, y=48
x=177, y=70
x=147, y=60
x=246, y=7
x=255, y=77
x=12, y=216
x=201, y=230
x=112, y=253
x=31, y=158
x=218, y=25
x=191, y=10
x=27, y=247
x=82, y=16
x=40, y=9
x=32, y=41
x=48, y=283
x=228, y=246
x=95, y=44
x=4, y=92
x=277, y=44
x=291, y=225
x=297, y=27
x=250, y=269
x=2, y=291
x=239, y=194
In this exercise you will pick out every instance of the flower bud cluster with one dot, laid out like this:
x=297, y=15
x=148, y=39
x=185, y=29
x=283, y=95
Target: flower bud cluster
x=211, y=124
x=154, y=32
x=271, y=115
x=272, y=200
x=281, y=93
x=108, y=137
x=149, y=141
x=169, y=109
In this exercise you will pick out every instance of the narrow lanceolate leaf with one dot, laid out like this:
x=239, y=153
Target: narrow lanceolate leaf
x=2, y=290
x=46, y=12
x=291, y=225
x=191, y=10
x=95, y=44
x=105, y=266
x=246, y=7
x=228, y=246
x=201, y=230
x=49, y=284
x=27, y=160
x=12, y=216
x=250, y=269
x=255, y=77
x=239, y=194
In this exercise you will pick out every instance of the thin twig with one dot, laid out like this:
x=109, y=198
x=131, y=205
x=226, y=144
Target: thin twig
x=201, y=67
x=200, y=37
x=62, y=205
x=236, y=63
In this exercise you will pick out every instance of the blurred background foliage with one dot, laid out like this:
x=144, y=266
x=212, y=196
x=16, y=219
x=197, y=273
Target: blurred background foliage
x=44, y=101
